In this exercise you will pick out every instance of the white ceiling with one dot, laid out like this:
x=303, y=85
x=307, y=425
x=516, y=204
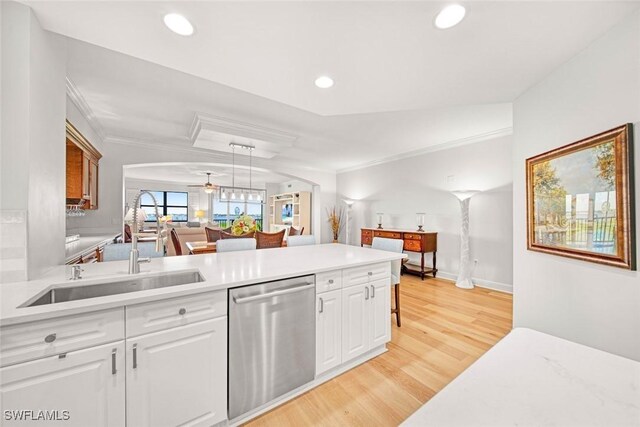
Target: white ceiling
x=383, y=55
x=135, y=100
x=196, y=173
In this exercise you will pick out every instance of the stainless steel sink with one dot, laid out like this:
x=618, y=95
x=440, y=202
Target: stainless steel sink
x=132, y=284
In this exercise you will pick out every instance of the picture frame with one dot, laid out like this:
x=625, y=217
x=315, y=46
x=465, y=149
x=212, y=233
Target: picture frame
x=580, y=200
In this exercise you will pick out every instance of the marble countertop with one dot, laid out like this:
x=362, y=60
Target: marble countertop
x=220, y=271
x=534, y=379
x=85, y=242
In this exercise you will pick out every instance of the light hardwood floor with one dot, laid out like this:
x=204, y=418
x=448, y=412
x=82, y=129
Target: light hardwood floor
x=444, y=330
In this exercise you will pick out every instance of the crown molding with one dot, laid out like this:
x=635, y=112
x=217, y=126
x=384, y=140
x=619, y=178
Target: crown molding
x=214, y=155
x=235, y=127
x=438, y=147
x=78, y=100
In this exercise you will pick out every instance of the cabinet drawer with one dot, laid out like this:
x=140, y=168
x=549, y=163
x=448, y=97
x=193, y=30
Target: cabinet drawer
x=413, y=236
x=413, y=245
x=358, y=275
x=35, y=340
x=328, y=281
x=387, y=234
x=165, y=314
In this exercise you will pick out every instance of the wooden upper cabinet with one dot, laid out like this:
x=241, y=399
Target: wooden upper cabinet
x=82, y=169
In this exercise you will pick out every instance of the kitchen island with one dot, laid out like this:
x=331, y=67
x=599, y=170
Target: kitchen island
x=167, y=347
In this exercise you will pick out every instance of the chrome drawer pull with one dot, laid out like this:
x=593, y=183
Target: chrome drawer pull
x=113, y=362
x=182, y=311
x=50, y=338
x=331, y=281
x=370, y=273
x=135, y=356
x=366, y=295
x=373, y=291
x=321, y=306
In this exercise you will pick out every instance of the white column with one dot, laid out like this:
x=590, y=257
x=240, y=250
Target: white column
x=349, y=203
x=464, y=273
x=464, y=270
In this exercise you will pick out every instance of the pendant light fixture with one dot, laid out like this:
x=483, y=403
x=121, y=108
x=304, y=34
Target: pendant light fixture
x=244, y=193
x=233, y=171
x=250, y=175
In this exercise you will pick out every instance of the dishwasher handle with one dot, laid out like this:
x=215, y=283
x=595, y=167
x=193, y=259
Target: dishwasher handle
x=272, y=294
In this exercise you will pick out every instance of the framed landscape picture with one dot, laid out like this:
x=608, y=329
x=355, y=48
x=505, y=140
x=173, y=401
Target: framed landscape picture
x=580, y=200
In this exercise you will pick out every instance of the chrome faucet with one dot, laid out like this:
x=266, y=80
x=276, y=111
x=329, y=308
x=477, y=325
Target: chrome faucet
x=76, y=272
x=134, y=255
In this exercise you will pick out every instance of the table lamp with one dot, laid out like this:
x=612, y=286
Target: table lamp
x=199, y=214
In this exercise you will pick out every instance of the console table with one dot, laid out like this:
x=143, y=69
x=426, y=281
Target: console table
x=414, y=241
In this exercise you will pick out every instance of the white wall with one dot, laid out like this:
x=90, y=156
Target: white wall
x=597, y=90
x=402, y=188
x=33, y=135
x=77, y=119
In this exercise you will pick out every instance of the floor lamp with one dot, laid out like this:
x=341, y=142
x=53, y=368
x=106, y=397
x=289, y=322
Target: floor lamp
x=464, y=280
x=349, y=203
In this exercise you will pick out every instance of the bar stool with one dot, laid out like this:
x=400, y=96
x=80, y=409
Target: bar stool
x=392, y=245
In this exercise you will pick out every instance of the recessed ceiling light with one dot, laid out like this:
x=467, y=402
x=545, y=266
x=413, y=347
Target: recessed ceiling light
x=324, y=82
x=450, y=16
x=178, y=24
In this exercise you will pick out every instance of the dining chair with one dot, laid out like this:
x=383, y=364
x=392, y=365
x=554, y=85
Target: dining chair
x=269, y=240
x=213, y=234
x=227, y=235
x=231, y=245
x=309, y=239
x=392, y=245
x=120, y=251
x=175, y=240
x=127, y=233
x=294, y=232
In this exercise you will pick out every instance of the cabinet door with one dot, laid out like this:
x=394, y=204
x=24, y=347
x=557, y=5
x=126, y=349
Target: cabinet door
x=328, y=330
x=355, y=321
x=380, y=312
x=88, y=384
x=178, y=377
x=93, y=184
x=86, y=190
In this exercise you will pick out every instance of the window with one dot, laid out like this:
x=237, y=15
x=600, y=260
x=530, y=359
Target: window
x=225, y=211
x=174, y=203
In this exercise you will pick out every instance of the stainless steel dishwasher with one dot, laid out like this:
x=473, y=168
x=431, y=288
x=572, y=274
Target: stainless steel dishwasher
x=272, y=345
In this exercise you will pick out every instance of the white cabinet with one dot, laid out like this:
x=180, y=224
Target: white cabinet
x=328, y=330
x=365, y=317
x=355, y=327
x=88, y=384
x=178, y=376
x=380, y=307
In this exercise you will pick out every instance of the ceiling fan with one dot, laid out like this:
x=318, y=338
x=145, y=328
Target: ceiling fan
x=208, y=186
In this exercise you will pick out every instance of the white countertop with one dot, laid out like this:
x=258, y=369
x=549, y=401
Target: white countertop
x=534, y=379
x=220, y=271
x=78, y=247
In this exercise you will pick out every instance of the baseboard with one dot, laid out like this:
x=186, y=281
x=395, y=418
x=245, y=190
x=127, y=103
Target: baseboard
x=487, y=284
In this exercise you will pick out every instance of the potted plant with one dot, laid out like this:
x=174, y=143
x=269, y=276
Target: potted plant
x=244, y=224
x=335, y=221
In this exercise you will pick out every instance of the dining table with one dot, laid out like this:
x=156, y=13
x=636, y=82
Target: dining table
x=204, y=247
x=201, y=247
